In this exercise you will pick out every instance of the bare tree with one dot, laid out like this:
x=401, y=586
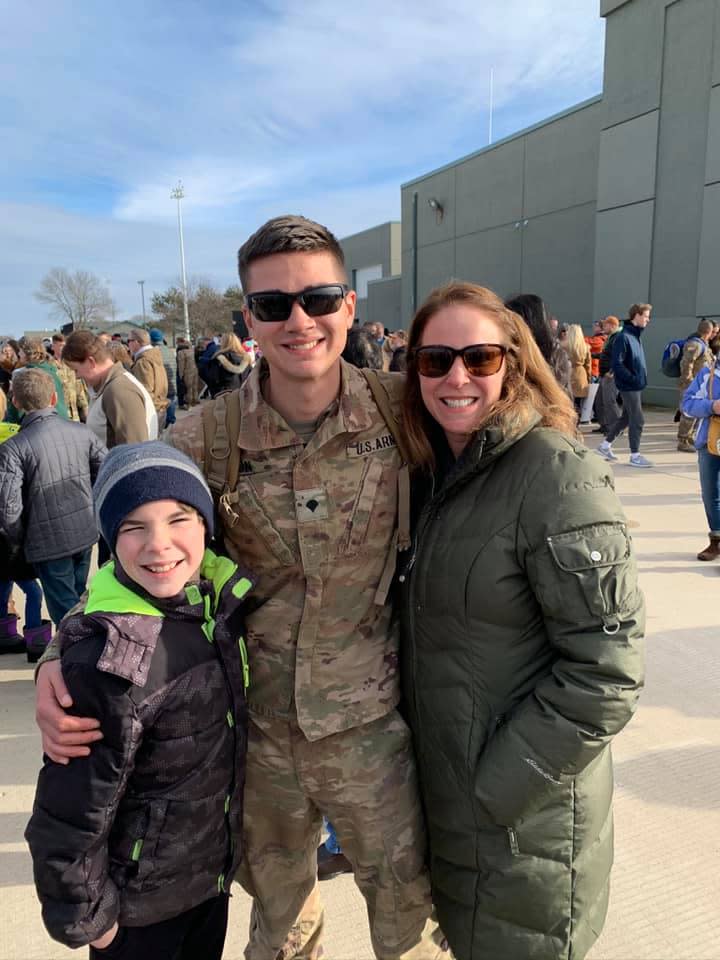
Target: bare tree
x=209, y=309
x=79, y=298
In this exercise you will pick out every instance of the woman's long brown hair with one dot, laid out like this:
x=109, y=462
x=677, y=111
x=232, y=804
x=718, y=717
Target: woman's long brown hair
x=529, y=387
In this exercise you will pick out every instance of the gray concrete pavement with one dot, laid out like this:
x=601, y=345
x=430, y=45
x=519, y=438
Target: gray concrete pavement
x=666, y=888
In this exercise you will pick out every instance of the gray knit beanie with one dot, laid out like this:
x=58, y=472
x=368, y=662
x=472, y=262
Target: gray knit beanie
x=133, y=474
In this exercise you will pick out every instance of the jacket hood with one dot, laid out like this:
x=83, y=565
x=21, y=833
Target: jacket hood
x=112, y=591
x=232, y=362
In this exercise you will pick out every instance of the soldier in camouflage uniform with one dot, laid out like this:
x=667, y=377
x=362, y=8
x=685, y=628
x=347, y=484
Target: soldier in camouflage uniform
x=696, y=354
x=75, y=391
x=313, y=514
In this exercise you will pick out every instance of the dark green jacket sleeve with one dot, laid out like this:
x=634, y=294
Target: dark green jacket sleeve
x=572, y=541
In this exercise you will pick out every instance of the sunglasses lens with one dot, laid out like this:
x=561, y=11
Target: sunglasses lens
x=277, y=307
x=271, y=307
x=318, y=303
x=433, y=361
x=484, y=360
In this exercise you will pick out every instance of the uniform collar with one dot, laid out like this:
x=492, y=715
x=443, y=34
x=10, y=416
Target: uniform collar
x=263, y=428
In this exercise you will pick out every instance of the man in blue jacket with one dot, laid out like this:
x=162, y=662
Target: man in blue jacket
x=629, y=370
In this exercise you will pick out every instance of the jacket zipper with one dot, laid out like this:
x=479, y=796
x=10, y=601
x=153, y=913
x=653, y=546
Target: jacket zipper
x=230, y=718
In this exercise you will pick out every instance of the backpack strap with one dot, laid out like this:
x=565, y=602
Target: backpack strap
x=221, y=430
x=384, y=405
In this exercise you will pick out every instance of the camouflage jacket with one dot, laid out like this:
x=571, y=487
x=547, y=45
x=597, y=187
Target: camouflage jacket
x=696, y=355
x=75, y=391
x=149, y=825
x=316, y=524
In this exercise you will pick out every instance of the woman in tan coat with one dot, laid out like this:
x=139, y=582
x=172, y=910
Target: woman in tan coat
x=580, y=364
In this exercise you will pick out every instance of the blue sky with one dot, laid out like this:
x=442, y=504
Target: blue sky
x=261, y=108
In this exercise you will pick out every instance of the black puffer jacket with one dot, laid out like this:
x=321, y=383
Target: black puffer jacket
x=46, y=475
x=227, y=370
x=148, y=826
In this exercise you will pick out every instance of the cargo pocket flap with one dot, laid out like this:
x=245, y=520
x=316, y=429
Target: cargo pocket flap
x=603, y=545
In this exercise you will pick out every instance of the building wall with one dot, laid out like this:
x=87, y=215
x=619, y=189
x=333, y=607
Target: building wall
x=383, y=302
x=517, y=216
x=658, y=216
x=376, y=247
x=613, y=202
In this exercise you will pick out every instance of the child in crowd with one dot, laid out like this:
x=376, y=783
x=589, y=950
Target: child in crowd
x=135, y=845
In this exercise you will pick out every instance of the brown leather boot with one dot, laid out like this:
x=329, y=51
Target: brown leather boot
x=712, y=550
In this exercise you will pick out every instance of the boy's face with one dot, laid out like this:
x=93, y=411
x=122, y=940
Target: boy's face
x=160, y=546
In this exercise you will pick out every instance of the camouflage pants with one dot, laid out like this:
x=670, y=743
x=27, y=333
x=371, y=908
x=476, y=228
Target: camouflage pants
x=364, y=780
x=687, y=425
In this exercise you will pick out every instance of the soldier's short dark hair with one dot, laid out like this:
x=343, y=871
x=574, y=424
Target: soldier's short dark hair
x=288, y=234
x=363, y=350
x=32, y=389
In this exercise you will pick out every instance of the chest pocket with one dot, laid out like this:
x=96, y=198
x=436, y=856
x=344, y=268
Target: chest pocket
x=252, y=519
x=362, y=508
x=588, y=571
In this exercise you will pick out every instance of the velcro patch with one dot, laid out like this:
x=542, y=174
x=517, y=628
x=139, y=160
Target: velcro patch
x=364, y=448
x=311, y=505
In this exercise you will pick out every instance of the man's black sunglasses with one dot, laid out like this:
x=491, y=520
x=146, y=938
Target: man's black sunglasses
x=275, y=306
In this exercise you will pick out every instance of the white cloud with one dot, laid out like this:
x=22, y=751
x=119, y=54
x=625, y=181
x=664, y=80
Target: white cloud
x=258, y=108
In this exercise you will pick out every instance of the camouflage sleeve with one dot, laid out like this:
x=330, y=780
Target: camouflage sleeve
x=82, y=399
x=187, y=435
x=689, y=355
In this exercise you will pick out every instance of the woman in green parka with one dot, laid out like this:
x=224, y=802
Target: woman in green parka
x=522, y=629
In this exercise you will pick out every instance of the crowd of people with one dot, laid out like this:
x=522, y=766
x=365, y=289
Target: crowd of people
x=403, y=602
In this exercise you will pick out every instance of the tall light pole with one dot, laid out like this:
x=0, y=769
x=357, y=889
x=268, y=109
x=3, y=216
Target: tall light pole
x=177, y=194
x=141, y=284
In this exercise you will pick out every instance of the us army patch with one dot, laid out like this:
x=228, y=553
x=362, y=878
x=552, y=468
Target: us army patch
x=363, y=448
x=311, y=505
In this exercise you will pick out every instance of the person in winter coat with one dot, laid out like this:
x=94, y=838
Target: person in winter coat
x=135, y=845
x=696, y=356
x=8, y=361
x=122, y=410
x=700, y=402
x=74, y=390
x=204, y=352
x=149, y=369
x=33, y=355
x=522, y=627
x=580, y=365
x=46, y=475
x=15, y=569
x=534, y=312
x=228, y=367
x=607, y=410
x=629, y=370
x=188, y=381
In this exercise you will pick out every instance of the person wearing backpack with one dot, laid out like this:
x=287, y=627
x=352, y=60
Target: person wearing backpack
x=629, y=369
x=696, y=355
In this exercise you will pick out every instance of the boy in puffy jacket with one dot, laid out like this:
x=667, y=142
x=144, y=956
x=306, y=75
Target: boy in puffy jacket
x=135, y=845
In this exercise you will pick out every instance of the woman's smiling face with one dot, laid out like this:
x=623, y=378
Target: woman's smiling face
x=458, y=401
